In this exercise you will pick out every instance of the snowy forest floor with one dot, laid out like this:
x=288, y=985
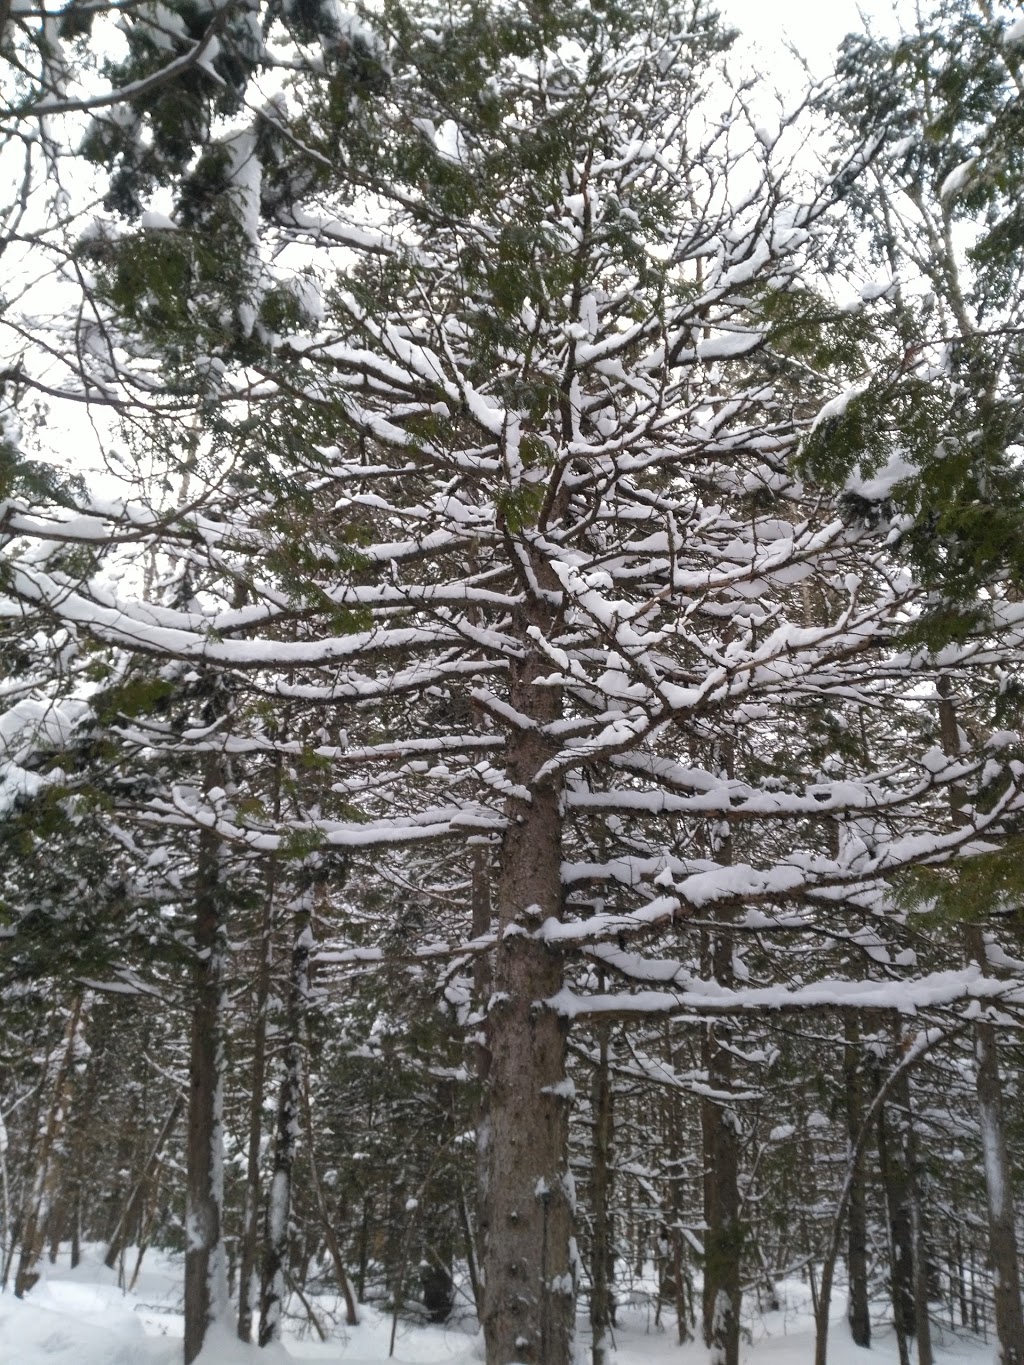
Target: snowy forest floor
x=81, y=1317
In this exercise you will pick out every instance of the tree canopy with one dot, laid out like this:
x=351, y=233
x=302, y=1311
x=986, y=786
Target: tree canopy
x=552, y=603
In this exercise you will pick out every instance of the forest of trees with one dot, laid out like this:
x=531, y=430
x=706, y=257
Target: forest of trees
x=511, y=640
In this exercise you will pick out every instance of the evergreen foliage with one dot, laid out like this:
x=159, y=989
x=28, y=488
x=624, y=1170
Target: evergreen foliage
x=541, y=669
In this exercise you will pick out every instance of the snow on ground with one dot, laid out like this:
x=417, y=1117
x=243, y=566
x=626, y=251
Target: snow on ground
x=81, y=1317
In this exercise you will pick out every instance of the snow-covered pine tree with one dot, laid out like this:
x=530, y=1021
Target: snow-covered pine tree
x=507, y=504
x=102, y=307
x=944, y=223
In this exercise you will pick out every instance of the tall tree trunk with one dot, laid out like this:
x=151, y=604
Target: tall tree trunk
x=922, y=1320
x=248, y=1273
x=897, y=1202
x=206, y=1292
x=289, y=1110
x=961, y=1279
x=527, y=1194
x=674, y=1280
x=872, y=1124
x=723, y=1239
x=8, y=1225
x=1002, y=1235
x=858, y=1310
x=602, y=1247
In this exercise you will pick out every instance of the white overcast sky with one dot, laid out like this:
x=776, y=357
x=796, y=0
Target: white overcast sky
x=815, y=27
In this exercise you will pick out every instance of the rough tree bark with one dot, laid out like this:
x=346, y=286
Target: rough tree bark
x=527, y=1193
x=723, y=1239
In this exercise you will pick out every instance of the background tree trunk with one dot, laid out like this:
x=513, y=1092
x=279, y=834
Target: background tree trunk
x=723, y=1238
x=602, y=1250
x=1002, y=1233
x=858, y=1311
x=901, y=1254
x=131, y=1217
x=206, y=1293
x=289, y=1109
x=46, y=1165
x=248, y=1273
x=317, y=1190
